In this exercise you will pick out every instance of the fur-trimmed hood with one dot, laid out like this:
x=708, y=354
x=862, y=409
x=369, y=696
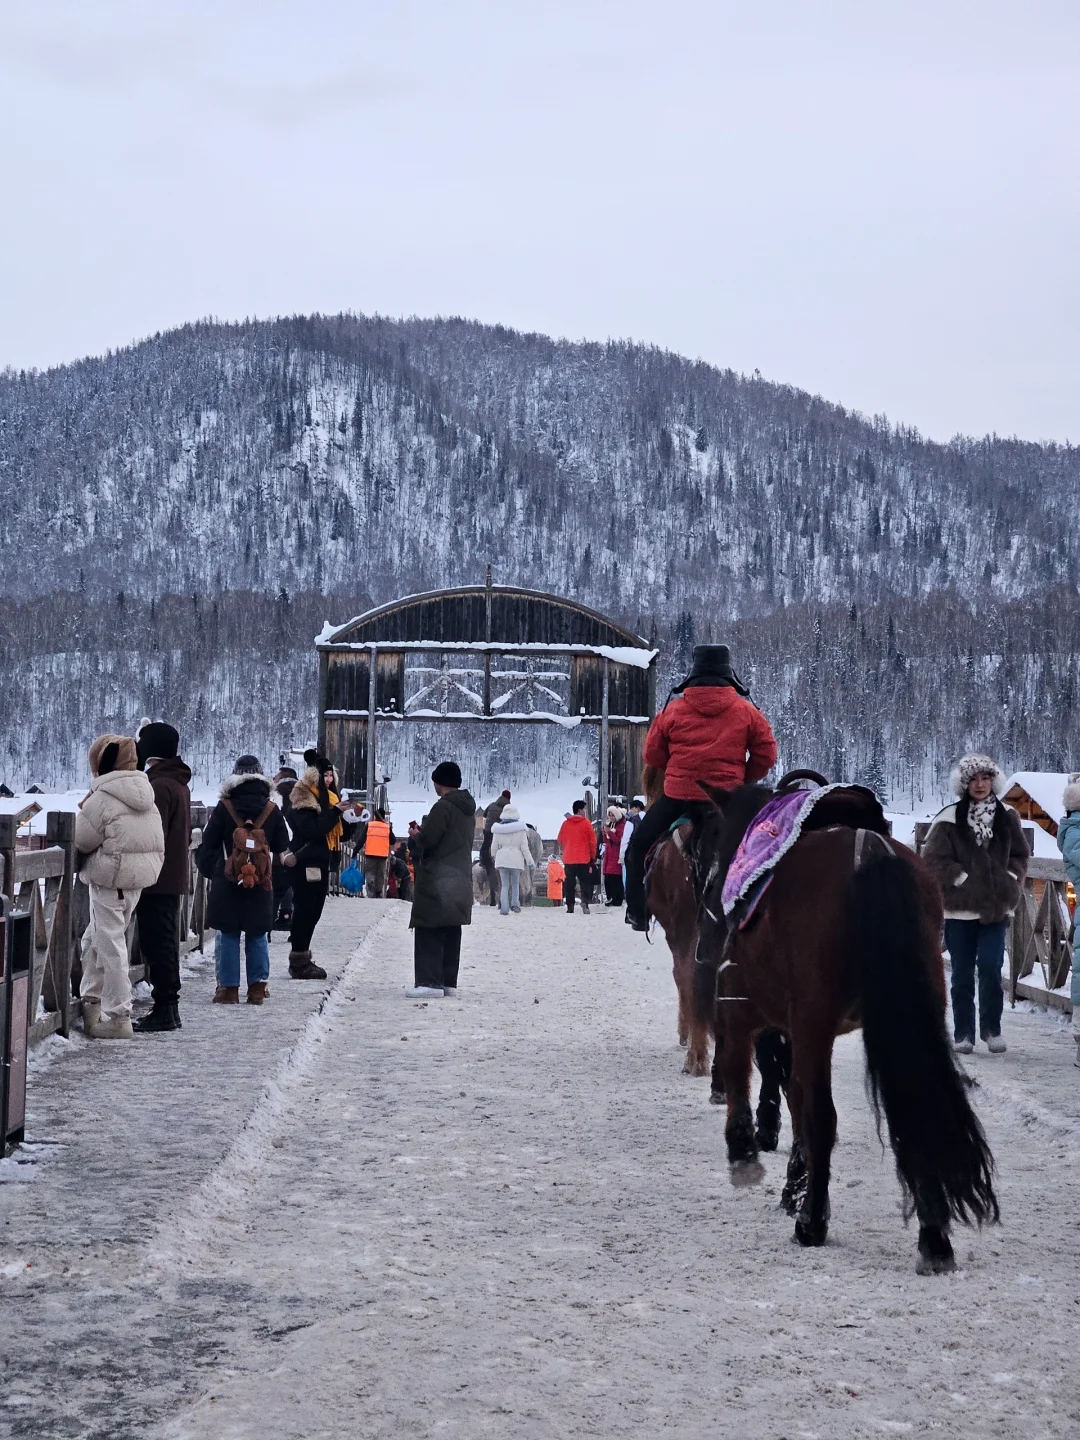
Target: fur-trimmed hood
x=232, y=783
x=304, y=795
x=968, y=766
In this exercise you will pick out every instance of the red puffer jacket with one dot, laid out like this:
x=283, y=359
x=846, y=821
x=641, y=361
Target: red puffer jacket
x=577, y=839
x=709, y=733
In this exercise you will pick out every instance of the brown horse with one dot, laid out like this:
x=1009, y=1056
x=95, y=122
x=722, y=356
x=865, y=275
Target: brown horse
x=848, y=935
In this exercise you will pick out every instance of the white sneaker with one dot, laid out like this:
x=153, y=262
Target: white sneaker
x=424, y=992
x=963, y=1047
x=450, y=991
x=996, y=1044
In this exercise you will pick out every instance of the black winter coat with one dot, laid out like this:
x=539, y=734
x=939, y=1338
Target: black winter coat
x=977, y=882
x=170, y=780
x=443, y=893
x=311, y=819
x=231, y=907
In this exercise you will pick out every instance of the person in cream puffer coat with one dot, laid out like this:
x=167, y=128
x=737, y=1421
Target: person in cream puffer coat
x=118, y=831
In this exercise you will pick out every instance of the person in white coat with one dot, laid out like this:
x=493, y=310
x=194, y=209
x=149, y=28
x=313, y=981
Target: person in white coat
x=118, y=832
x=511, y=854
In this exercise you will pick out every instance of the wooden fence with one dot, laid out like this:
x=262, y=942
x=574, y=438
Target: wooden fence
x=42, y=882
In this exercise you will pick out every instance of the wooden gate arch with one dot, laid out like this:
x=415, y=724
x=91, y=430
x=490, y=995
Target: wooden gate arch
x=489, y=655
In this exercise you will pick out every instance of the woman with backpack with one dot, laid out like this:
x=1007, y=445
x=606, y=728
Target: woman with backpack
x=317, y=828
x=243, y=835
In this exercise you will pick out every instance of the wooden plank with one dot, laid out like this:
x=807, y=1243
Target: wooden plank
x=48, y=1024
x=1046, y=869
x=39, y=864
x=1026, y=990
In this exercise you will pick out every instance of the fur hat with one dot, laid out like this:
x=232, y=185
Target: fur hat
x=1071, y=798
x=712, y=666
x=510, y=812
x=968, y=766
x=616, y=813
x=448, y=773
x=154, y=740
x=247, y=765
x=112, y=752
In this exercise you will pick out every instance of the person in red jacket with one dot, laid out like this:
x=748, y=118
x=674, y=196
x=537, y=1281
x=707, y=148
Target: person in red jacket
x=708, y=731
x=577, y=840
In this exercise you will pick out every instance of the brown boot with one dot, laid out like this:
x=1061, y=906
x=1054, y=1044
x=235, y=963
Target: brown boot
x=302, y=967
x=227, y=995
x=258, y=991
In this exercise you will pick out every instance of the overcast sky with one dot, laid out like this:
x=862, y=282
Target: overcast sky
x=876, y=200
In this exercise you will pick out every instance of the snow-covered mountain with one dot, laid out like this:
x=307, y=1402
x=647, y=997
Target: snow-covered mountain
x=180, y=517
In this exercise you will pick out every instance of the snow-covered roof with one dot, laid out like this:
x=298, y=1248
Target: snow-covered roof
x=620, y=654
x=1044, y=787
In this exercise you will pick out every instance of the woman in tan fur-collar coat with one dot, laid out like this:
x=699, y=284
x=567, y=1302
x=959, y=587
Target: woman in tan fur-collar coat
x=118, y=831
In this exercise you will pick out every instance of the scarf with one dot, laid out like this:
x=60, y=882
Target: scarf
x=981, y=819
x=333, y=840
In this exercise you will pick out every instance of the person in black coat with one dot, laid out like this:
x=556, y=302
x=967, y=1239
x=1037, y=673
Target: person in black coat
x=157, y=914
x=233, y=909
x=315, y=821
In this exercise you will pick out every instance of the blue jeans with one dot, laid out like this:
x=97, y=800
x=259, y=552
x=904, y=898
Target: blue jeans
x=974, y=946
x=227, y=955
x=510, y=890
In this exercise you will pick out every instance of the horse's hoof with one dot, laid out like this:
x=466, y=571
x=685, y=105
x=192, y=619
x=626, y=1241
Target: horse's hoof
x=768, y=1137
x=935, y=1252
x=810, y=1233
x=684, y=1040
x=746, y=1173
x=717, y=1097
x=935, y=1265
x=790, y=1201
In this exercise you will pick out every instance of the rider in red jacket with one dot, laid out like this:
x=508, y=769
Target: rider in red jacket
x=708, y=731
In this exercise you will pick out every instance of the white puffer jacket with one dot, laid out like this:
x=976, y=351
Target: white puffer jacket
x=118, y=829
x=510, y=842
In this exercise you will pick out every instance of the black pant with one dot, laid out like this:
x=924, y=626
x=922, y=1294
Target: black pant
x=158, y=918
x=436, y=956
x=309, y=897
x=656, y=821
x=578, y=875
x=613, y=889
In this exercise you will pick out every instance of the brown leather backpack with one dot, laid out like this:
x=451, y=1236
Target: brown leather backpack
x=250, y=862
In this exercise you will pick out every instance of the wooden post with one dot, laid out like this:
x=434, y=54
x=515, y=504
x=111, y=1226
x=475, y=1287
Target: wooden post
x=373, y=673
x=60, y=831
x=8, y=830
x=605, y=746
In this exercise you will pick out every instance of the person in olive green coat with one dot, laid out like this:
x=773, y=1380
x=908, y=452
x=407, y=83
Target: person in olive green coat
x=442, y=895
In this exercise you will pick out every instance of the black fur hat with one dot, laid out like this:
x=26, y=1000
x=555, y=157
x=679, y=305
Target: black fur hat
x=712, y=666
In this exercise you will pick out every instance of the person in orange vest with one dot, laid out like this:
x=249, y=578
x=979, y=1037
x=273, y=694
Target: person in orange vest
x=377, y=844
x=577, y=841
x=555, y=877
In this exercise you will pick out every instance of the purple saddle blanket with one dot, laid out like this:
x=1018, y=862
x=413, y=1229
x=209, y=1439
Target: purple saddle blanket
x=769, y=836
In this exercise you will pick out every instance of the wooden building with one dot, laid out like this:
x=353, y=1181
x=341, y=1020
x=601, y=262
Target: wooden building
x=1037, y=796
x=489, y=655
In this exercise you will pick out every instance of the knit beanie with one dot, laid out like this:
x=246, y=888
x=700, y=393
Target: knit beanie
x=247, y=765
x=154, y=740
x=448, y=773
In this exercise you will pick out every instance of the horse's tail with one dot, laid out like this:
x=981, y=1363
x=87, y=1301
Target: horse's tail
x=942, y=1157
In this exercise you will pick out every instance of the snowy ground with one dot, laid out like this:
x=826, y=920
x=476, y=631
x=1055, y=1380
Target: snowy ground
x=507, y=1215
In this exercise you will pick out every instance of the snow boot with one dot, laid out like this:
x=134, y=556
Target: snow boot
x=116, y=1028
x=996, y=1044
x=963, y=1047
x=302, y=967
x=91, y=1014
x=424, y=992
x=227, y=995
x=258, y=991
x=161, y=1017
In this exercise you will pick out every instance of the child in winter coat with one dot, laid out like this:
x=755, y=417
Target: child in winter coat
x=118, y=830
x=1068, y=839
x=556, y=874
x=511, y=854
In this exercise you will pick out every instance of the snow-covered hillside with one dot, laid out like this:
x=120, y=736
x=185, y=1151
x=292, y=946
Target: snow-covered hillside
x=179, y=518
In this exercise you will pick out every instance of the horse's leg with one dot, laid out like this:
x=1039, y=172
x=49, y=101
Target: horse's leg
x=716, y=1094
x=697, y=1054
x=684, y=1022
x=935, y=1248
x=819, y=1119
x=773, y=1055
x=738, y=1052
x=794, y=1192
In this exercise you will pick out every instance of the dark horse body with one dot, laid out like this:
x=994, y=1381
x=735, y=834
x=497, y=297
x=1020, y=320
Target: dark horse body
x=674, y=902
x=848, y=934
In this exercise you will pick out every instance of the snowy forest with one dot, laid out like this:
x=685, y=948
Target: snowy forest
x=182, y=516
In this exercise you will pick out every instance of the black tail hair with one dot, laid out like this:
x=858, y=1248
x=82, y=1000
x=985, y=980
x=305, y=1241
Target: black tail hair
x=942, y=1157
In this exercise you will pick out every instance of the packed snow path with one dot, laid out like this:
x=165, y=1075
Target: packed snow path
x=507, y=1215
